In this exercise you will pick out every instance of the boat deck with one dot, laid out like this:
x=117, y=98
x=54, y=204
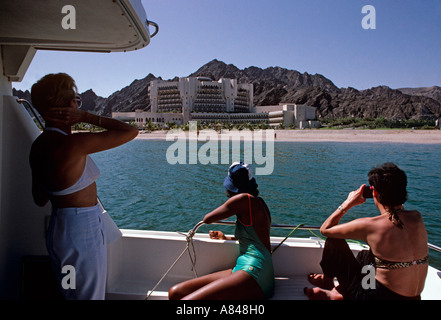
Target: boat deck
x=285, y=289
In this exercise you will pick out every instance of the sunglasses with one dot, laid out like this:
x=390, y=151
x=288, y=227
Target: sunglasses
x=79, y=101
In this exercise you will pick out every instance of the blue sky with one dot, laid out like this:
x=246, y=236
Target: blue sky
x=314, y=36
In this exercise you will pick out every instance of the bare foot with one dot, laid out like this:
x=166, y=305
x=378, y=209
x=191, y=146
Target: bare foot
x=321, y=294
x=320, y=280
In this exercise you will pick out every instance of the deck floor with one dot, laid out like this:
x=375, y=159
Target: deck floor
x=285, y=289
x=290, y=288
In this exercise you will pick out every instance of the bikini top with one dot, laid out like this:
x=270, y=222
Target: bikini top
x=385, y=264
x=90, y=173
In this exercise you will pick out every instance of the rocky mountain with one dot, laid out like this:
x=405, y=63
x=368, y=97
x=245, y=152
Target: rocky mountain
x=130, y=98
x=276, y=85
x=431, y=92
x=270, y=84
x=380, y=101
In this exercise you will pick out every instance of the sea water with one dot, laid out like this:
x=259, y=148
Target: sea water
x=141, y=190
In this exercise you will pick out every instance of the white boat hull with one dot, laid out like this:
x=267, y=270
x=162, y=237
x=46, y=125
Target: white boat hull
x=139, y=259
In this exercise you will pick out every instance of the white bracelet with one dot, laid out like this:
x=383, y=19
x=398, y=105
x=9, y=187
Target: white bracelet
x=341, y=209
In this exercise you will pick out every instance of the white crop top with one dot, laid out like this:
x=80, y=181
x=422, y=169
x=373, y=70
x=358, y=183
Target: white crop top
x=90, y=174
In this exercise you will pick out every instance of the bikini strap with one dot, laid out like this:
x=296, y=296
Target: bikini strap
x=385, y=264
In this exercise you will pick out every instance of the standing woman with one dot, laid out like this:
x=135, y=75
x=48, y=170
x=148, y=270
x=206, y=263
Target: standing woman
x=64, y=174
x=253, y=276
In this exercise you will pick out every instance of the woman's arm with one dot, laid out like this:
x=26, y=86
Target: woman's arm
x=116, y=134
x=355, y=229
x=234, y=205
x=220, y=213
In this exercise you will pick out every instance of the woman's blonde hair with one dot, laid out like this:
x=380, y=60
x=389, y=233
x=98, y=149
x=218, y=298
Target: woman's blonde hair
x=53, y=90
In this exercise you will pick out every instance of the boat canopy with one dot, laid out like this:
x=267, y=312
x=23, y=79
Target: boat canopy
x=73, y=25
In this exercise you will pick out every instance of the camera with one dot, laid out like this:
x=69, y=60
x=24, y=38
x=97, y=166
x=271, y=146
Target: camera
x=367, y=192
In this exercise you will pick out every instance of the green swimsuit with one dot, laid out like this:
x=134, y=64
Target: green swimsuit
x=254, y=257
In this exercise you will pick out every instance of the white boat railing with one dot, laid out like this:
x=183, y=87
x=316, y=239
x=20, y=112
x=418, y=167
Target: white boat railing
x=300, y=227
x=434, y=247
x=280, y=226
x=32, y=111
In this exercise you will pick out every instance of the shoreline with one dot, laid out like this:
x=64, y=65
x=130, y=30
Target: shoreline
x=337, y=135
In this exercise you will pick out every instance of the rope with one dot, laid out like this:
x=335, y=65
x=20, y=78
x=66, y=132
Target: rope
x=189, y=238
x=360, y=243
x=298, y=226
x=316, y=235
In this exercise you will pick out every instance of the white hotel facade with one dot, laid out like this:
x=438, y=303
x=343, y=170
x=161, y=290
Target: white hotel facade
x=204, y=100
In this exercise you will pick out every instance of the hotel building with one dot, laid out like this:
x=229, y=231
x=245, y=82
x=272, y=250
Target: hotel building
x=290, y=115
x=201, y=99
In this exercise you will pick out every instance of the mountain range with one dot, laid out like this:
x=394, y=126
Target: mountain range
x=276, y=85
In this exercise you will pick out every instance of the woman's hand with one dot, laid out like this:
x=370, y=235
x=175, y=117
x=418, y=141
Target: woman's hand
x=65, y=116
x=354, y=198
x=355, y=229
x=217, y=235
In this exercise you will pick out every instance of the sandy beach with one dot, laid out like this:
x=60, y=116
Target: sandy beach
x=340, y=135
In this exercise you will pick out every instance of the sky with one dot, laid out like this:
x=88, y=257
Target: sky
x=314, y=36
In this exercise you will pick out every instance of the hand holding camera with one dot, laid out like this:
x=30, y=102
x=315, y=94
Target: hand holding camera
x=368, y=192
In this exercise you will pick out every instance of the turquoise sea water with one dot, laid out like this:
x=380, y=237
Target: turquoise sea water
x=141, y=190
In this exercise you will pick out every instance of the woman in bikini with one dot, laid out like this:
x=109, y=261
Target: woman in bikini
x=253, y=276
x=398, y=246
x=64, y=175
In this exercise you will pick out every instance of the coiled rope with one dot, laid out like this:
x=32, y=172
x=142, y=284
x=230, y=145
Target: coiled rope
x=189, y=238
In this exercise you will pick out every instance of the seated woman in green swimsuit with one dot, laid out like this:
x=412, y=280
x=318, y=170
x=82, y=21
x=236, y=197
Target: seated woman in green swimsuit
x=253, y=276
